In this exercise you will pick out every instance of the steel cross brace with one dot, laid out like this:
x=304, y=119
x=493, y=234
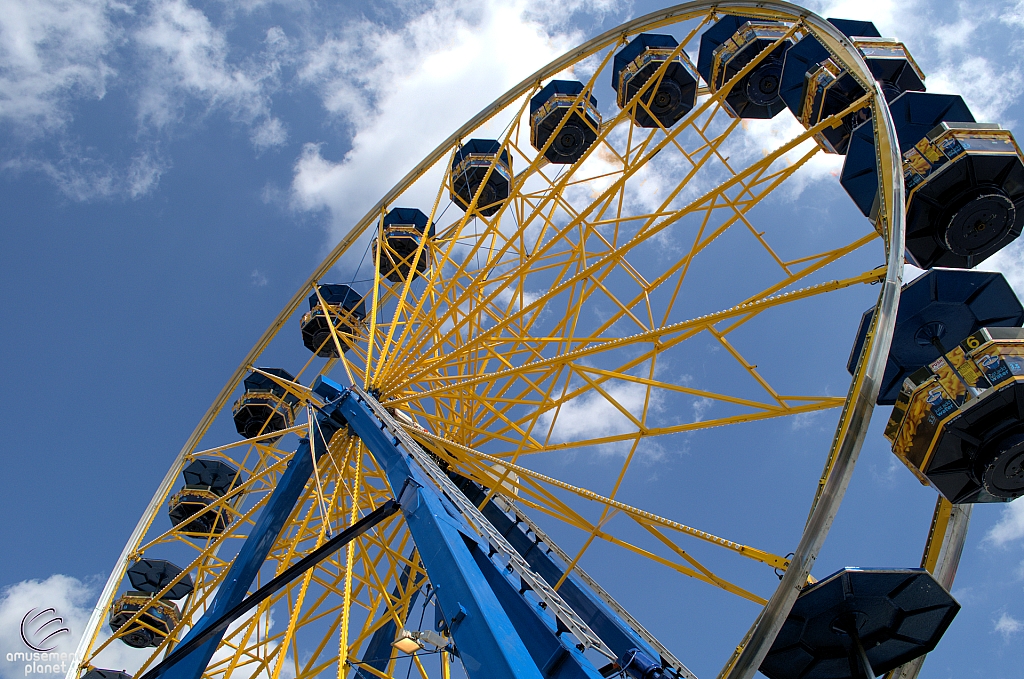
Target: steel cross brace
x=268, y=590
x=498, y=632
x=254, y=551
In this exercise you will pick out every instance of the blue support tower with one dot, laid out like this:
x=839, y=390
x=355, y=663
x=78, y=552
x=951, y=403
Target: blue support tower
x=498, y=631
x=614, y=631
x=254, y=551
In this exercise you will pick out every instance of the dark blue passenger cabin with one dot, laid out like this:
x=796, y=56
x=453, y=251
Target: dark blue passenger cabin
x=96, y=673
x=860, y=623
x=728, y=46
x=964, y=181
x=151, y=628
x=553, y=104
x=206, y=481
x=161, y=616
x=348, y=311
x=472, y=164
x=955, y=375
x=152, y=575
x=672, y=98
x=402, y=230
x=815, y=87
x=265, y=407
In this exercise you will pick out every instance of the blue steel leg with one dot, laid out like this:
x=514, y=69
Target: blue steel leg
x=488, y=643
x=613, y=630
x=554, y=659
x=498, y=633
x=253, y=553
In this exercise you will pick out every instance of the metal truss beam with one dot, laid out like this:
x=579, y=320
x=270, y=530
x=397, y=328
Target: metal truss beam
x=606, y=623
x=277, y=584
x=253, y=553
x=498, y=632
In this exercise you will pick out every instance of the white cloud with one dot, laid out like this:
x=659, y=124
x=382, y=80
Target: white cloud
x=52, y=51
x=55, y=54
x=765, y=136
x=69, y=598
x=72, y=600
x=802, y=421
x=882, y=12
x=144, y=173
x=700, y=407
x=1010, y=526
x=946, y=39
x=269, y=133
x=591, y=416
x=82, y=177
x=886, y=477
x=1008, y=626
x=403, y=91
x=1009, y=261
x=188, y=57
x=987, y=87
x=1015, y=15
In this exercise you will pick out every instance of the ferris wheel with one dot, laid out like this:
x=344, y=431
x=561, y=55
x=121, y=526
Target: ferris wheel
x=612, y=263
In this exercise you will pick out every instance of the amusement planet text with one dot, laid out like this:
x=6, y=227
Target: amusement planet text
x=43, y=663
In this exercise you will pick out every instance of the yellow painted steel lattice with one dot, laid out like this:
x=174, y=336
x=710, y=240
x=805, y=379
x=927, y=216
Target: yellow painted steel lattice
x=593, y=290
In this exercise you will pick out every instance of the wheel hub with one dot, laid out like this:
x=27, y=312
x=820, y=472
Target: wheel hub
x=980, y=224
x=569, y=140
x=667, y=98
x=1003, y=475
x=763, y=84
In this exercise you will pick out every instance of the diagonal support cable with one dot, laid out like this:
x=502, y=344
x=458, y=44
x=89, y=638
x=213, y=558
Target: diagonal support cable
x=268, y=590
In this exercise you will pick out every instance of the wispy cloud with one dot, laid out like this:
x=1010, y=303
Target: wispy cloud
x=802, y=421
x=1009, y=261
x=886, y=477
x=1008, y=626
x=188, y=59
x=1014, y=16
x=403, y=91
x=592, y=416
x=1010, y=526
x=700, y=408
x=51, y=52
x=83, y=176
x=172, y=62
x=951, y=41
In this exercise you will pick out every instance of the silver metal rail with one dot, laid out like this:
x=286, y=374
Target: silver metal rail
x=856, y=417
x=945, y=571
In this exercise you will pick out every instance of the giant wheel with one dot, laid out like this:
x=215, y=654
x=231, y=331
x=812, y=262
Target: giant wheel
x=536, y=326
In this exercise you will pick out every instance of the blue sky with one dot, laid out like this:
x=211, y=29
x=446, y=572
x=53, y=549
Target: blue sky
x=170, y=173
